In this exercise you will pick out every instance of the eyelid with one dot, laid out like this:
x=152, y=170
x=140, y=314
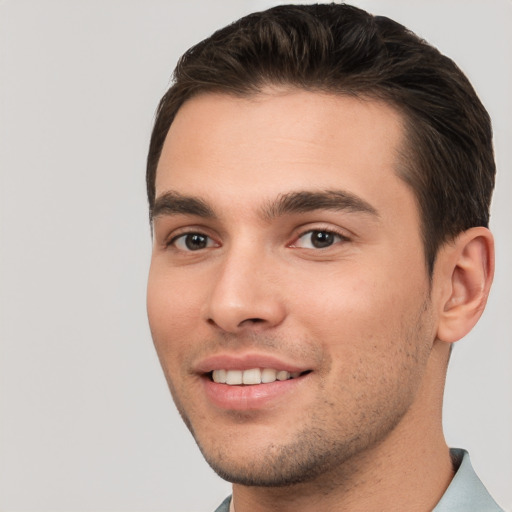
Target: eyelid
x=182, y=246
x=343, y=234
x=170, y=239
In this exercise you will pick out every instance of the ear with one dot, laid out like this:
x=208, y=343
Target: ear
x=466, y=270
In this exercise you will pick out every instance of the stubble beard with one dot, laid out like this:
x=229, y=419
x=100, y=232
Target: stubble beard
x=321, y=447
x=320, y=455
x=307, y=459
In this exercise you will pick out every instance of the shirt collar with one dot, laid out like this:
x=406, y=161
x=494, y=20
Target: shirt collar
x=466, y=493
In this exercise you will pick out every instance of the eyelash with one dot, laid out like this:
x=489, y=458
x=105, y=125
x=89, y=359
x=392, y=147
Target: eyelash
x=326, y=231
x=173, y=241
x=210, y=242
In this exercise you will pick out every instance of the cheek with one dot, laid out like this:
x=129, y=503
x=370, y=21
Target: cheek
x=375, y=345
x=173, y=297
x=338, y=301
x=363, y=317
x=171, y=312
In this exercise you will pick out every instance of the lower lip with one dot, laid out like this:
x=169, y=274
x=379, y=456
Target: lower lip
x=243, y=398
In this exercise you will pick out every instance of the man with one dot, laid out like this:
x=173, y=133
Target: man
x=319, y=182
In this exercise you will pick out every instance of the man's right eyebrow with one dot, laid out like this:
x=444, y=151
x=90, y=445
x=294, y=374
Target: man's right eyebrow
x=174, y=203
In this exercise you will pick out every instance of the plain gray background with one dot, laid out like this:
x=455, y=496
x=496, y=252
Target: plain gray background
x=86, y=421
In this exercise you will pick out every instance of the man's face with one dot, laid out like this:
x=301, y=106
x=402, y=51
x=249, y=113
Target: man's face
x=285, y=244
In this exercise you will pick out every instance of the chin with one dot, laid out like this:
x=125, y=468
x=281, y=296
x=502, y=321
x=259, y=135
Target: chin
x=305, y=459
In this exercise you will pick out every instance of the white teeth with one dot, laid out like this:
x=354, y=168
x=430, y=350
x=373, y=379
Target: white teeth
x=268, y=375
x=283, y=375
x=219, y=376
x=234, y=377
x=252, y=376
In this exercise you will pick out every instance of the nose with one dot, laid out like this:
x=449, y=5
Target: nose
x=246, y=293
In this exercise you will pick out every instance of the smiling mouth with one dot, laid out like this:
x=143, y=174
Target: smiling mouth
x=253, y=377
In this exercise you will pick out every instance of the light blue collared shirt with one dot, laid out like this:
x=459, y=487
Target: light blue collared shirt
x=466, y=493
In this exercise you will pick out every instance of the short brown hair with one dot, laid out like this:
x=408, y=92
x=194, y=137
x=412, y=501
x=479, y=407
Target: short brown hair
x=448, y=160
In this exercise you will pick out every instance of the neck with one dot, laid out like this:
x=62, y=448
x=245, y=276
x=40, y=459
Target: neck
x=409, y=470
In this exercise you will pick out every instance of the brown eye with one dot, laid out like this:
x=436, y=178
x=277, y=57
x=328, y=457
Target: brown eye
x=193, y=242
x=321, y=239
x=318, y=239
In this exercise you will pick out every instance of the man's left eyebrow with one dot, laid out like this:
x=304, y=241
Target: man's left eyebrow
x=308, y=201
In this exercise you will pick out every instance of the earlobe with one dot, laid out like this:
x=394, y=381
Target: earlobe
x=467, y=266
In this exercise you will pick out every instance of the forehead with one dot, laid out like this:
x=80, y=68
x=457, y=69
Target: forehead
x=281, y=140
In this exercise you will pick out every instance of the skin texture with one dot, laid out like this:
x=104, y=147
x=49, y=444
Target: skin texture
x=363, y=427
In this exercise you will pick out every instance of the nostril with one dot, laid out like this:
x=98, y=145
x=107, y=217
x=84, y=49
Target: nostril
x=246, y=322
x=250, y=322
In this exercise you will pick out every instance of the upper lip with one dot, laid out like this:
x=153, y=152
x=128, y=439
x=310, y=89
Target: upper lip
x=246, y=362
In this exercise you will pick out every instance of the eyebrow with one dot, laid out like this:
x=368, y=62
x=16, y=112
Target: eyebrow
x=175, y=203
x=308, y=201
